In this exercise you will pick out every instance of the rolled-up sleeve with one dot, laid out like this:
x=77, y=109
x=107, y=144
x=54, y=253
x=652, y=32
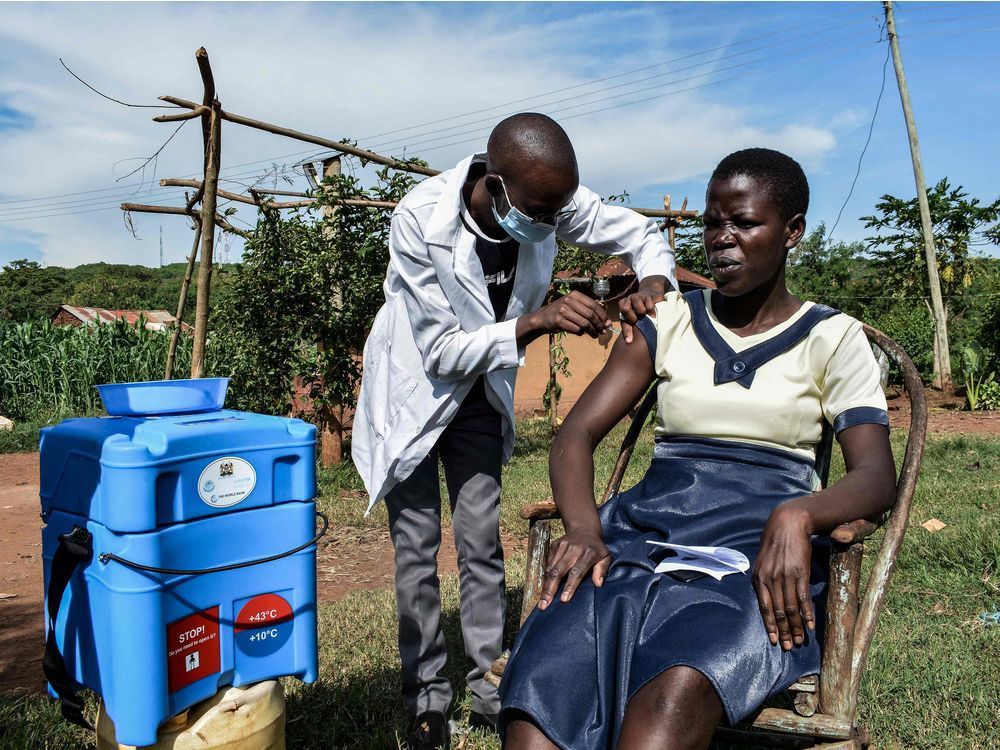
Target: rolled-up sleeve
x=447, y=351
x=621, y=232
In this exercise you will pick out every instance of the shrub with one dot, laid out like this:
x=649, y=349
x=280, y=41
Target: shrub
x=989, y=396
x=912, y=328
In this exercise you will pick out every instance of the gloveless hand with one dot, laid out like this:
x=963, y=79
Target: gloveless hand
x=781, y=576
x=643, y=302
x=575, y=313
x=572, y=557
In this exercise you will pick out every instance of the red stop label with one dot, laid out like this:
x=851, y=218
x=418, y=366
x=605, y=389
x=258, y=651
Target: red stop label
x=193, y=650
x=262, y=611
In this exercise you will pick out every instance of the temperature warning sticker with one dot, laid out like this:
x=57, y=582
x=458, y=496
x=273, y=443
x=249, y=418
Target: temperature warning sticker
x=193, y=650
x=226, y=481
x=263, y=625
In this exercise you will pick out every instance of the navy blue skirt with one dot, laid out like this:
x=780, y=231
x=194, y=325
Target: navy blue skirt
x=574, y=666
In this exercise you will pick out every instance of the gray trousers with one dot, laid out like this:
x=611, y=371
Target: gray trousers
x=472, y=459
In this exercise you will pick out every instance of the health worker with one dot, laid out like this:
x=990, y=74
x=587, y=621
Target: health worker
x=471, y=255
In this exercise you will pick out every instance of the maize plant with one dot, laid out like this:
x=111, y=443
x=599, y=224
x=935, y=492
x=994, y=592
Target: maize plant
x=49, y=372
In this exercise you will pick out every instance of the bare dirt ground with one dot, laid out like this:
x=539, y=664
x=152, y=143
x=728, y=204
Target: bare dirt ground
x=350, y=559
x=21, y=636
x=944, y=415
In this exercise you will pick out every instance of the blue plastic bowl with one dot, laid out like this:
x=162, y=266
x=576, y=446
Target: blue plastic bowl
x=158, y=397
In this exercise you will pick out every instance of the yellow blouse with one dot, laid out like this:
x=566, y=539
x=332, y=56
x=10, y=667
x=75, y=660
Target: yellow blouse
x=788, y=386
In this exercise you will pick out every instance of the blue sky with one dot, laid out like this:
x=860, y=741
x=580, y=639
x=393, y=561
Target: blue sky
x=708, y=78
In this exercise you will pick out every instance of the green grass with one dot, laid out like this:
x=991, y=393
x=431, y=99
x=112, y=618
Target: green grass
x=931, y=680
x=22, y=439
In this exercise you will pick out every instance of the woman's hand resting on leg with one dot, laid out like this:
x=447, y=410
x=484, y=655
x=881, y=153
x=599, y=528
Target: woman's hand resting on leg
x=781, y=576
x=572, y=557
x=781, y=571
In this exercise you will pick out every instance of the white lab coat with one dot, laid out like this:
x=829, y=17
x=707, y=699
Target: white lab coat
x=437, y=332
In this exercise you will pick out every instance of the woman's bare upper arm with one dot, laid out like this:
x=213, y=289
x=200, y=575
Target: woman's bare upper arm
x=615, y=390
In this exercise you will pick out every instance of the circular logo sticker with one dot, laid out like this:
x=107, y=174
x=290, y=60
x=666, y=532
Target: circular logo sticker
x=226, y=481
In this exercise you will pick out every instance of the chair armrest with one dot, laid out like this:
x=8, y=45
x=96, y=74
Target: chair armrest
x=542, y=511
x=855, y=531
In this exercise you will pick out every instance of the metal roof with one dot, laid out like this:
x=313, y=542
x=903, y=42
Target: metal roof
x=156, y=320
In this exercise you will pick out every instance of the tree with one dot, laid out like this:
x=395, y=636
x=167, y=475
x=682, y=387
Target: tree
x=302, y=301
x=834, y=274
x=115, y=290
x=959, y=223
x=28, y=291
x=691, y=247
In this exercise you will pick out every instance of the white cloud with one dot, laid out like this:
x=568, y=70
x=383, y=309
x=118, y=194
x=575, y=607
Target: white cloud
x=335, y=70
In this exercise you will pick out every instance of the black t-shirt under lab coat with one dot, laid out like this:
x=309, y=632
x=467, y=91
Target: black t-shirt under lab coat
x=499, y=262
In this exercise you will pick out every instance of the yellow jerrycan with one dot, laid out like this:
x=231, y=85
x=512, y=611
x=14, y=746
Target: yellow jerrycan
x=235, y=718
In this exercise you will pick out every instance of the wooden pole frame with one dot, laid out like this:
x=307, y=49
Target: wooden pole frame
x=254, y=199
x=331, y=447
x=194, y=213
x=298, y=135
x=181, y=304
x=212, y=134
x=207, y=192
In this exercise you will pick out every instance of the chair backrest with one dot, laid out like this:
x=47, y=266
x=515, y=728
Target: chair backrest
x=899, y=514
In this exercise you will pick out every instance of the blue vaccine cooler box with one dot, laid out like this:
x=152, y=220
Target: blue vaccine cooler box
x=179, y=551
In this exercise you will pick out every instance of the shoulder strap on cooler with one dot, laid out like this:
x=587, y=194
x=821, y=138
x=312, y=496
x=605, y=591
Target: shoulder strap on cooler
x=75, y=549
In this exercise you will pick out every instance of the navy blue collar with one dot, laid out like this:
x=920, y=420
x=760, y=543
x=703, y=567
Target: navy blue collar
x=729, y=365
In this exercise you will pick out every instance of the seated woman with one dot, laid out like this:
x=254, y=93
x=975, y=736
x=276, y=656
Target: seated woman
x=625, y=657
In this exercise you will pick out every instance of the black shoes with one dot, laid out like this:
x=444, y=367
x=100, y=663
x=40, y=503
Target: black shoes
x=486, y=722
x=429, y=731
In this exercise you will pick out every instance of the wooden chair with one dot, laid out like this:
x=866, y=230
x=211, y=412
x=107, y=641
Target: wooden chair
x=824, y=706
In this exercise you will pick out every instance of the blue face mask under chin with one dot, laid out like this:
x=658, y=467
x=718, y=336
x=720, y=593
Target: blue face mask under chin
x=518, y=226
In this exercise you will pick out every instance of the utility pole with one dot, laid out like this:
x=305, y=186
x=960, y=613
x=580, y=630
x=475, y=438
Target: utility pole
x=942, y=359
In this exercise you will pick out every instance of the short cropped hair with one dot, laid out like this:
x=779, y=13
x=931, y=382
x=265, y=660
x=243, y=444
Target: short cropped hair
x=779, y=173
x=530, y=137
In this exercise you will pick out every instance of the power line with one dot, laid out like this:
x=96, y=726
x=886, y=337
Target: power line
x=613, y=106
x=461, y=116
x=22, y=216
x=795, y=27
x=30, y=212
x=106, y=200
x=400, y=144
x=677, y=91
x=24, y=212
x=864, y=150
x=490, y=121
x=111, y=98
x=588, y=83
x=692, y=88
x=140, y=184
x=507, y=107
